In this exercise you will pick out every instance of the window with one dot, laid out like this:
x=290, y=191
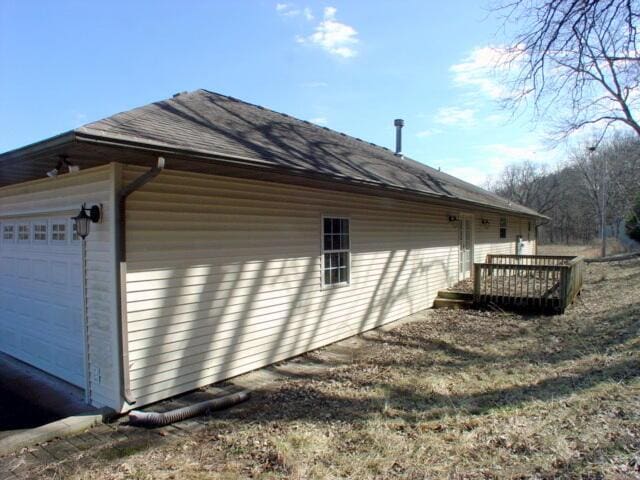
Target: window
x=39, y=232
x=59, y=232
x=503, y=227
x=74, y=236
x=23, y=232
x=335, y=250
x=8, y=233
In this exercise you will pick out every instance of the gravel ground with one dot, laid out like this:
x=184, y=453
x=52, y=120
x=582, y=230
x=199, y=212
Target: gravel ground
x=460, y=394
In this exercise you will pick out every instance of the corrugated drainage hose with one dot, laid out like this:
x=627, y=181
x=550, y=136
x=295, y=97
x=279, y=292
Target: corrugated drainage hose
x=155, y=419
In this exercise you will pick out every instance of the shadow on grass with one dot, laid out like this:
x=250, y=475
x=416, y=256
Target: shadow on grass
x=574, y=340
x=309, y=403
x=601, y=336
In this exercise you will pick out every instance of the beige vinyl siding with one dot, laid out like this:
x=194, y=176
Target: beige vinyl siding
x=487, y=237
x=63, y=195
x=224, y=275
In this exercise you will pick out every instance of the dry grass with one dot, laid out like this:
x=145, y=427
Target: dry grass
x=458, y=395
x=588, y=251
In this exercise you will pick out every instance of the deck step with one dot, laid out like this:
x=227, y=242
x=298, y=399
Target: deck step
x=452, y=303
x=455, y=295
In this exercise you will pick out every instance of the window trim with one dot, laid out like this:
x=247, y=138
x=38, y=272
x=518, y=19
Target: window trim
x=322, y=252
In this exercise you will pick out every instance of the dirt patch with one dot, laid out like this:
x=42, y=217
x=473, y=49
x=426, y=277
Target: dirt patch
x=460, y=394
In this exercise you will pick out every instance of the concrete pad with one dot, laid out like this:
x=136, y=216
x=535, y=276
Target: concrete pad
x=30, y=391
x=17, y=439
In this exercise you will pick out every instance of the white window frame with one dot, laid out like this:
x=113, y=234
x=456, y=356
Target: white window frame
x=35, y=223
x=23, y=224
x=59, y=221
x=323, y=252
x=14, y=233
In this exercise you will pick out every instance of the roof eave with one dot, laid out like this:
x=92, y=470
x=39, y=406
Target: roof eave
x=96, y=137
x=41, y=147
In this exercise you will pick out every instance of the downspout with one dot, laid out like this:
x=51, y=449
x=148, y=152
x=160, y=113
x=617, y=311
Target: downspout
x=121, y=261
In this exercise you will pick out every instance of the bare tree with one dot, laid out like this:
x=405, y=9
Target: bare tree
x=572, y=195
x=529, y=184
x=577, y=61
x=624, y=176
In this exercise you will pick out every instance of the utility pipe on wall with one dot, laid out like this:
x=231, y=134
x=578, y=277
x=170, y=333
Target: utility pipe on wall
x=121, y=264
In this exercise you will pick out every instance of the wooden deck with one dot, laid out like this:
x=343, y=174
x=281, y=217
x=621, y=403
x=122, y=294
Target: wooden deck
x=536, y=282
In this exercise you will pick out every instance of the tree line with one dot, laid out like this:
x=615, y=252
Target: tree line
x=574, y=193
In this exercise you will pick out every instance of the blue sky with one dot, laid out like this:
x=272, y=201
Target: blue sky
x=352, y=66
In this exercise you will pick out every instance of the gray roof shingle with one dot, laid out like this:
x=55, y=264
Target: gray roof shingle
x=209, y=122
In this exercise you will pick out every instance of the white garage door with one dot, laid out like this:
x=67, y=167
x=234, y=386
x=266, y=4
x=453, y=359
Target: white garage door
x=41, y=298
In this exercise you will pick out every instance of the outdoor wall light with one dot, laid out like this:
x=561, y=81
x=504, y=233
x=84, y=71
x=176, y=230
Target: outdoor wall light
x=453, y=218
x=83, y=221
x=484, y=221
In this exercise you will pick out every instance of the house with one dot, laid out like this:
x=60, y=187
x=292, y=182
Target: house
x=229, y=237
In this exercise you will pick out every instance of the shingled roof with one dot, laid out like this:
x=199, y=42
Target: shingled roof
x=209, y=123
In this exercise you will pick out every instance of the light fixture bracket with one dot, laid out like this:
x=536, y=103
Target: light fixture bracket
x=83, y=220
x=95, y=213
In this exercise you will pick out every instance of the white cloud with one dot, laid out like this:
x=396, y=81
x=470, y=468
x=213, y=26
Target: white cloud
x=496, y=118
x=429, y=132
x=481, y=71
x=456, y=116
x=319, y=120
x=475, y=175
x=333, y=36
x=290, y=10
x=308, y=14
x=496, y=156
x=489, y=160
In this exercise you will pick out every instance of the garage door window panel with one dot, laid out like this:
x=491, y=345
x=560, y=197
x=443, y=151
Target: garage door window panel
x=8, y=233
x=23, y=233
x=40, y=232
x=58, y=232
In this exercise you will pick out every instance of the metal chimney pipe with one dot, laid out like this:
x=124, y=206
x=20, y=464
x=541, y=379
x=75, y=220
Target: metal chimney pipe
x=399, y=123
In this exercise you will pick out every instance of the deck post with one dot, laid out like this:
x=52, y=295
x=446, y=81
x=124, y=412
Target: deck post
x=477, y=275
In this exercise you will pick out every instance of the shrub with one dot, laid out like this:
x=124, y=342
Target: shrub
x=633, y=221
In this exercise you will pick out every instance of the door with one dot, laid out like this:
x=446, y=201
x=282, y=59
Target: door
x=466, y=246
x=41, y=296
x=519, y=245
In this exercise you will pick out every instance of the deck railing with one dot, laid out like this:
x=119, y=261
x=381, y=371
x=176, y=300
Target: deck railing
x=545, y=282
